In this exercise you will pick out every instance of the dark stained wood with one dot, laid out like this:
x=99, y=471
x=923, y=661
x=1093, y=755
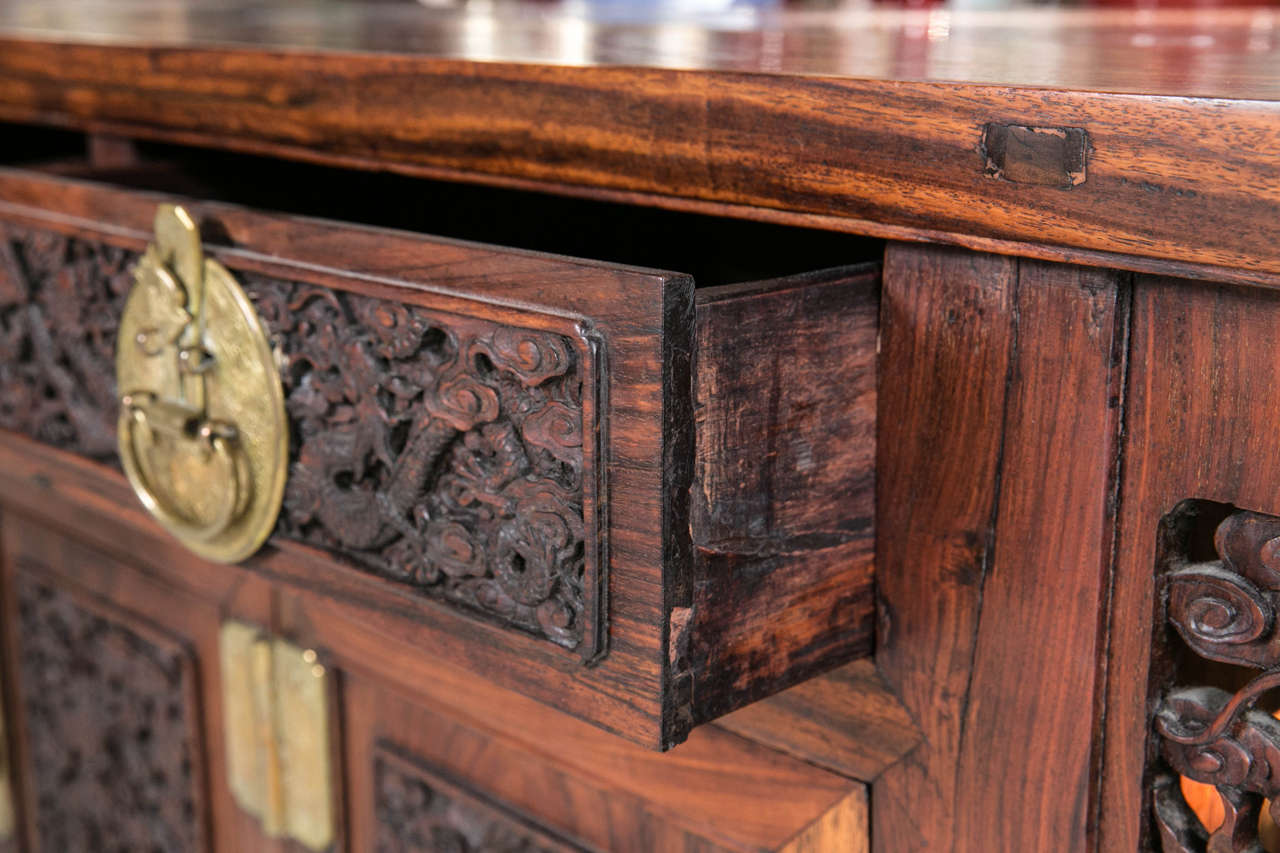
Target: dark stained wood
x=946, y=327
x=111, y=583
x=784, y=486
x=1028, y=757
x=1198, y=426
x=112, y=726
x=997, y=471
x=447, y=453
x=845, y=720
x=1212, y=735
x=883, y=157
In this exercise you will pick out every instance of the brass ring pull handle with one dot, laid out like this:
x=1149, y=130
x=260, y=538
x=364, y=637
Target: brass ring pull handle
x=224, y=487
x=203, y=434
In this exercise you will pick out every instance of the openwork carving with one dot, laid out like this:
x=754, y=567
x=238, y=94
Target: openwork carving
x=1225, y=611
x=60, y=305
x=112, y=729
x=446, y=453
x=418, y=811
x=443, y=452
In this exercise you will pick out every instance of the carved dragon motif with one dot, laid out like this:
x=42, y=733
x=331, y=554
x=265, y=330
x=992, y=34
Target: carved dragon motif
x=443, y=452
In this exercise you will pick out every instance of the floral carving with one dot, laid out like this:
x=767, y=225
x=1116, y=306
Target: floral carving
x=112, y=729
x=441, y=451
x=1225, y=610
x=60, y=303
x=418, y=811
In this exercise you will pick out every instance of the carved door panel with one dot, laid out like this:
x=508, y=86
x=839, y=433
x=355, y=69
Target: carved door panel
x=114, y=699
x=1192, y=643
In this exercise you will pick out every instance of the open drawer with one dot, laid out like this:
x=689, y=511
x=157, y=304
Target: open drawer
x=641, y=503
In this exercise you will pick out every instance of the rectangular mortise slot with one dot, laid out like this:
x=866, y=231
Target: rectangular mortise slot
x=1040, y=156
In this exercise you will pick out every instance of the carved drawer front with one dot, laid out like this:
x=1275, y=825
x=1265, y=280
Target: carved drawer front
x=643, y=505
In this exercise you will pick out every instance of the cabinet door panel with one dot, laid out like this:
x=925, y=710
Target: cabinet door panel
x=115, y=711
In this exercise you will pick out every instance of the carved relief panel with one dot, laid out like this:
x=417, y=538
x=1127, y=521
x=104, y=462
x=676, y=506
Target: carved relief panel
x=1213, y=724
x=418, y=811
x=452, y=455
x=112, y=727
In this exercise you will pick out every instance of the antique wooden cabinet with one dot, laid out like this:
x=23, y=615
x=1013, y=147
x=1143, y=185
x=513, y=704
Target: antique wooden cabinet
x=528, y=426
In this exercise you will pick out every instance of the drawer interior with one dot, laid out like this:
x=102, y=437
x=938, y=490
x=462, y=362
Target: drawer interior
x=713, y=250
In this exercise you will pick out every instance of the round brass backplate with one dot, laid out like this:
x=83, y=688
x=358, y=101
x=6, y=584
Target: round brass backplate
x=203, y=434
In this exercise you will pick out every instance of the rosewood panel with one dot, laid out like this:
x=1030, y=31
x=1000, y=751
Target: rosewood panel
x=846, y=720
x=1168, y=178
x=418, y=810
x=514, y=765
x=998, y=442
x=1204, y=380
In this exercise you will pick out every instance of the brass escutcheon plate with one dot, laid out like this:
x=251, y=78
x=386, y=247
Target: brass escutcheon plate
x=203, y=434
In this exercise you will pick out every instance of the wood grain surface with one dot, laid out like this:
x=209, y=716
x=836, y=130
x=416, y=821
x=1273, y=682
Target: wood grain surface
x=714, y=792
x=997, y=438
x=1169, y=178
x=846, y=720
x=1033, y=715
x=1203, y=383
x=783, y=497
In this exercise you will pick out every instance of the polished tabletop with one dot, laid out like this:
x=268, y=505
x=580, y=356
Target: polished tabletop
x=1192, y=50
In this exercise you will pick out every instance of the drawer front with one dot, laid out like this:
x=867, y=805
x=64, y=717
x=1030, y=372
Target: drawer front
x=494, y=454
x=443, y=451
x=456, y=413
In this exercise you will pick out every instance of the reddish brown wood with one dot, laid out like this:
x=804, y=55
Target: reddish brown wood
x=1215, y=52
x=1035, y=688
x=946, y=327
x=418, y=809
x=846, y=720
x=996, y=466
x=881, y=154
x=784, y=485
x=1203, y=381
x=715, y=792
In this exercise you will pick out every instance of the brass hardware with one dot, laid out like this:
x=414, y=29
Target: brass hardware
x=7, y=820
x=276, y=710
x=203, y=437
